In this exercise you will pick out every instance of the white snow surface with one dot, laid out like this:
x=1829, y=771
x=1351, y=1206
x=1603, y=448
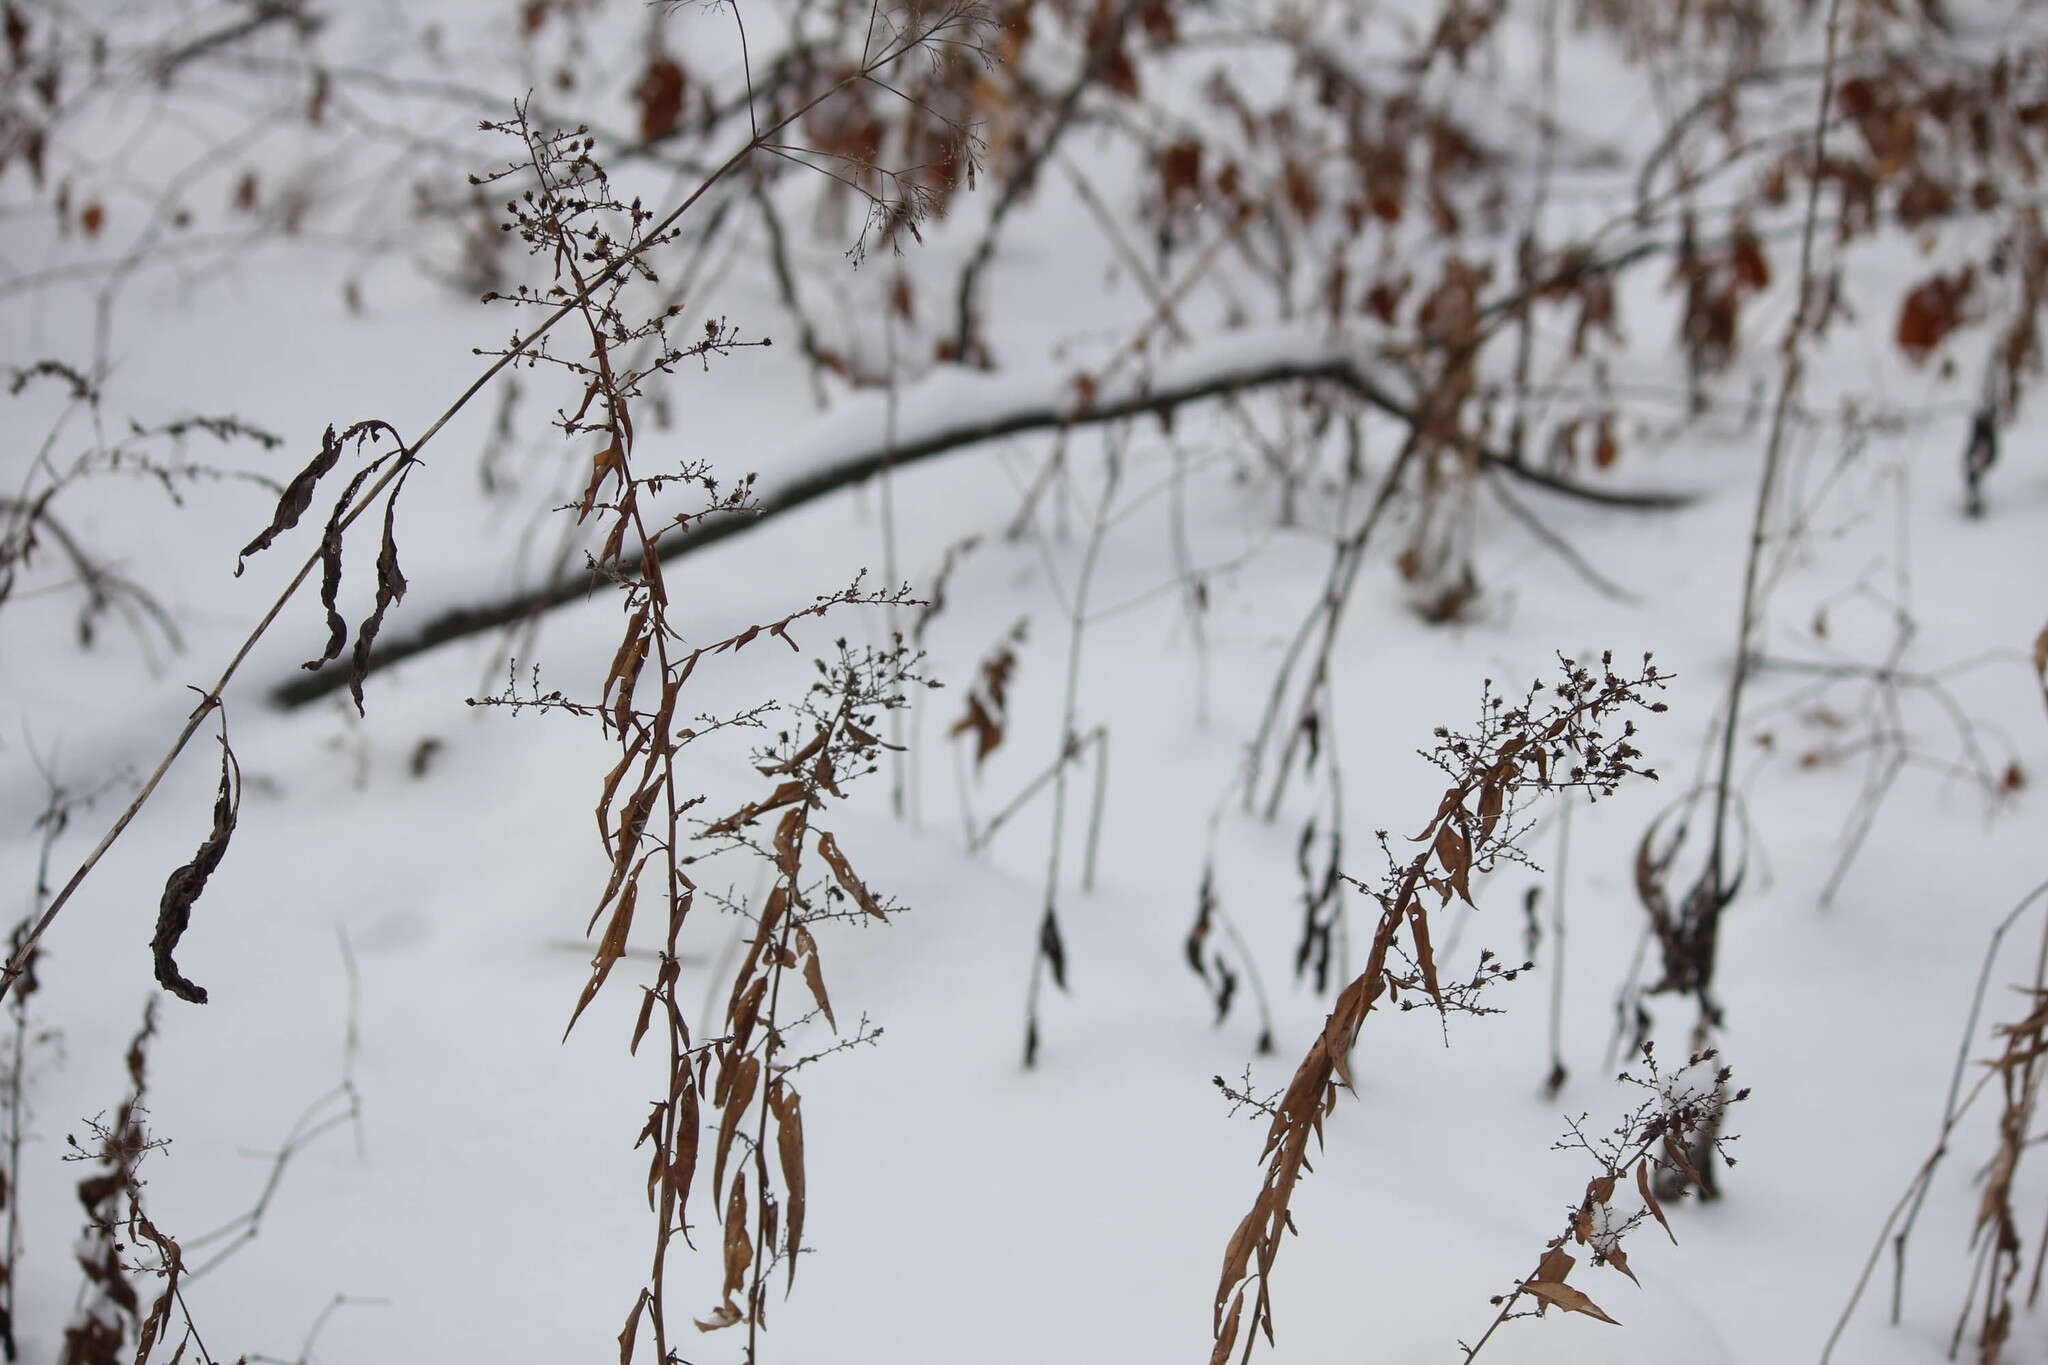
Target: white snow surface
x=489, y=1205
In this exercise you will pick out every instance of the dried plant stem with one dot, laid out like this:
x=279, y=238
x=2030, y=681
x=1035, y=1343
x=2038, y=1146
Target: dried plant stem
x=519, y=347
x=1322, y=624
x=1051, y=952
x=1906, y=1211
x=1791, y=356
x=1554, y=1082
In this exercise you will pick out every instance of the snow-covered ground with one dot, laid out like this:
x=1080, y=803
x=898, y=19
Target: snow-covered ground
x=487, y=1204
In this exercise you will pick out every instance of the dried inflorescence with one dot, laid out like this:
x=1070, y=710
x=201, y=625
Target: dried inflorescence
x=729, y=1087
x=1654, y=1148
x=1576, y=734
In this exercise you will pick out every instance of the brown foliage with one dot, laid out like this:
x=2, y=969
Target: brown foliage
x=1516, y=753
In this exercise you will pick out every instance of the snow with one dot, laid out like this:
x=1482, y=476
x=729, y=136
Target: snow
x=487, y=1203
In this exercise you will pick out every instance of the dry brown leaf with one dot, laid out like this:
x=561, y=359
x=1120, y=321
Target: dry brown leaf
x=296, y=498
x=789, y=1146
x=1650, y=1200
x=631, y=1331
x=1226, y=1337
x=1555, y=1265
x=182, y=887
x=1567, y=1298
x=842, y=871
x=610, y=948
x=739, y=1093
x=725, y=1315
x=739, y=1249
x=814, y=977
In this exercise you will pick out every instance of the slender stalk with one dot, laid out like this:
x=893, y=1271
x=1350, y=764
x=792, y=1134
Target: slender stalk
x=212, y=696
x=1767, y=485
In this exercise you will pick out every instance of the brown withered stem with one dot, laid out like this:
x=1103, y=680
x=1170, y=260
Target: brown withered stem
x=1557, y=738
x=1681, y=1113
x=733, y=1083
x=936, y=27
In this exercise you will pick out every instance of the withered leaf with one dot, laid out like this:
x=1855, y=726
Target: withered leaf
x=1226, y=1337
x=630, y=1333
x=744, y=1079
x=1455, y=856
x=682, y=1162
x=1618, y=1258
x=1205, y=904
x=814, y=977
x=739, y=1251
x=632, y=648
x=611, y=947
x=390, y=587
x=330, y=572
x=1425, y=957
x=789, y=841
x=1650, y=1200
x=725, y=1315
x=660, y=97
x=1555, y=1265
x=842, y=871
x=1933, y=309
x=1567, y=1298
x=789, y=1146
x=1052, y=948
x=602, y=465
x=160, y=1311
x=182, y=888
x=296, y=498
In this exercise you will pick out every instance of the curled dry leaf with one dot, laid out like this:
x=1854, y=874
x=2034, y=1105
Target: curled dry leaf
x=182, y=888
x=789, y=1146
x=390, y=587
x=611, y=947
x=1650, y=1200
x=842, y=871
x=739, y=1249
x=296, y=498
x=814, y=978
x=1567, y=1298
x=1053, y=948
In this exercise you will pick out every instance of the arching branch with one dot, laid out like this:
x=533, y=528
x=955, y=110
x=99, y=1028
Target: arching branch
x=1048, y=410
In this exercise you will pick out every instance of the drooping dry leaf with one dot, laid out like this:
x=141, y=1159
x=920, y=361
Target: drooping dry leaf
x=159, y=1316
x=1053, y=948
x=1932, y=310
x=725, y=1315
x=1226, y=1338
x=390, y=587
x=1555, y=1265
x=1567, y=1298
x=739, y=1249
x=182, y=887
x=738, y=1096
x=1650, y=1200
x=1425, y=957
x=610, y=948
x=842, y=871
x=330, y=570
x=630, y=1332
x=660, y=97
x=789, y=1146
x=296, y=498
x=814, y=976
